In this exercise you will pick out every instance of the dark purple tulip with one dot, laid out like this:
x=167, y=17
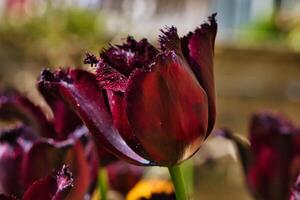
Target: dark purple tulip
x=37, y=145
x=274, y=146
x=14, y=142
x=25, y=158
x=272, y=163
x=147, y=106
x=52, y=187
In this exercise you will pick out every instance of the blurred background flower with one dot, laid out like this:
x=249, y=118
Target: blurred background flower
x=271, y=159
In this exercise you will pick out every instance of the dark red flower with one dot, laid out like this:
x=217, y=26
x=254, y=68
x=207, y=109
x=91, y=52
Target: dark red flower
x=13, y=142
x=272, y=161
x=275, y=154
x=35, y=145
x=52, y=187
x=146, y=106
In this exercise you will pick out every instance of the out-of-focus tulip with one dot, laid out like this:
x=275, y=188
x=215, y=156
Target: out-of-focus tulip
x=52, y=187
x=147, y=106
x=272, y=161
x=35, y=145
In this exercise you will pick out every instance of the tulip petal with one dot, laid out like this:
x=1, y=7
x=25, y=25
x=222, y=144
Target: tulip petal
x=80, y=91
x=132, y=54
x=275, y=159
x=52, y=187
x=15, y=106
x=169, y=40
x=109, y=78
x=14, y=142
x=198, y=49
x=167, y=110
x=117, y=107
x=65, y=120
x=81, y=170
x=42, y=158
x=265, y=129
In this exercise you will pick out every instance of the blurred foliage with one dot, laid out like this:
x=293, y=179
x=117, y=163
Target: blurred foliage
x=265, y=30
x=275, y=31
x=52, y=37
x=294, y=37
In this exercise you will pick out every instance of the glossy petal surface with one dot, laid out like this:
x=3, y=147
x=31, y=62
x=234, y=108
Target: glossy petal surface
x=65, y=120
x=167, y=110
x=162, y=102
x=198, y=49
x=117, y=106
x=79, y=89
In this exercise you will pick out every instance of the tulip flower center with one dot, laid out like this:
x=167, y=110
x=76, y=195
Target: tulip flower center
x=132, y=54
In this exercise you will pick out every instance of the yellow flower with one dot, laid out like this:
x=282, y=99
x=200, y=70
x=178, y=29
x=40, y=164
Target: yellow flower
x=147, y=188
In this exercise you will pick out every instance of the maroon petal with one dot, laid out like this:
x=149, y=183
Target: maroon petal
x=118, y=62
x=109, y=78
x=265, y=128
x=129, y=56
x=52, y=187
x=275, y=164
x=15, y=106
x=65, y=120
x=169, y=40
x=81, y=170
x=14, y=143
x=79, y=89
x=117, y=107
x=198, y=49
x=167, y=110
x=42, y=158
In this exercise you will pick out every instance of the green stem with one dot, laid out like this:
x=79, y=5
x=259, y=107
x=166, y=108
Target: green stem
x=187, y=168
x=102, y=183
x=178, y=182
